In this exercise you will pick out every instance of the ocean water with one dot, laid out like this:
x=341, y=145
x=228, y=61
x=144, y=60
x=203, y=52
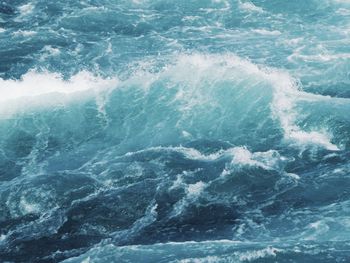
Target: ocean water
x=174, y=131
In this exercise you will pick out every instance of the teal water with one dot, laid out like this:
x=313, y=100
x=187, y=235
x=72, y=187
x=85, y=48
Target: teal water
x=175, y=131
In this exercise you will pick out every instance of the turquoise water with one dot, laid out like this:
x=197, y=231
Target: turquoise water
x=175, y=131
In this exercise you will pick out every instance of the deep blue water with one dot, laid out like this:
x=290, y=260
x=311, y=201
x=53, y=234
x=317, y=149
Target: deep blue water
x=175, y=131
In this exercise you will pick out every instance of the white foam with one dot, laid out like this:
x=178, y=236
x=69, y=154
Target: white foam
x=317, y=229
x=249, y=6
x=293, y=41
x=27, y=207
x=194, y=190
x=186, y=134
x=242, y=157
x=24, y=33
x=258, y=254
x=312, y=138
x=267, y=32
x=189, y=153
x=34, y=86
x=26, y=9
x=321, y=56
x=51, y=50
x=179, y=182
x=2, y=30
x=267, y=160
x=293, y=176
x=286, y=95
x=343, y=11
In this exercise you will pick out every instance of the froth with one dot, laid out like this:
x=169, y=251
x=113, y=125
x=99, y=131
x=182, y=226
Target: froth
x=35, y=86
x=249, y=6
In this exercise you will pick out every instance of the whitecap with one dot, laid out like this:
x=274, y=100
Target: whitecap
x=24, y=33
x=267, y=32
x=26, y=9
x=43, y=88
x=259, y=254
x=249, y=6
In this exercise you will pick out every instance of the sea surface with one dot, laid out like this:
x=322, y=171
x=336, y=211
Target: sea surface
x=181, y=131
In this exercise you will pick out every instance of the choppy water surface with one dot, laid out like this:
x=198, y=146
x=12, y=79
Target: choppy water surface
x=175, y=131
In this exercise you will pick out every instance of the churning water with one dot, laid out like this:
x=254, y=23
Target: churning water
x=175, y=131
